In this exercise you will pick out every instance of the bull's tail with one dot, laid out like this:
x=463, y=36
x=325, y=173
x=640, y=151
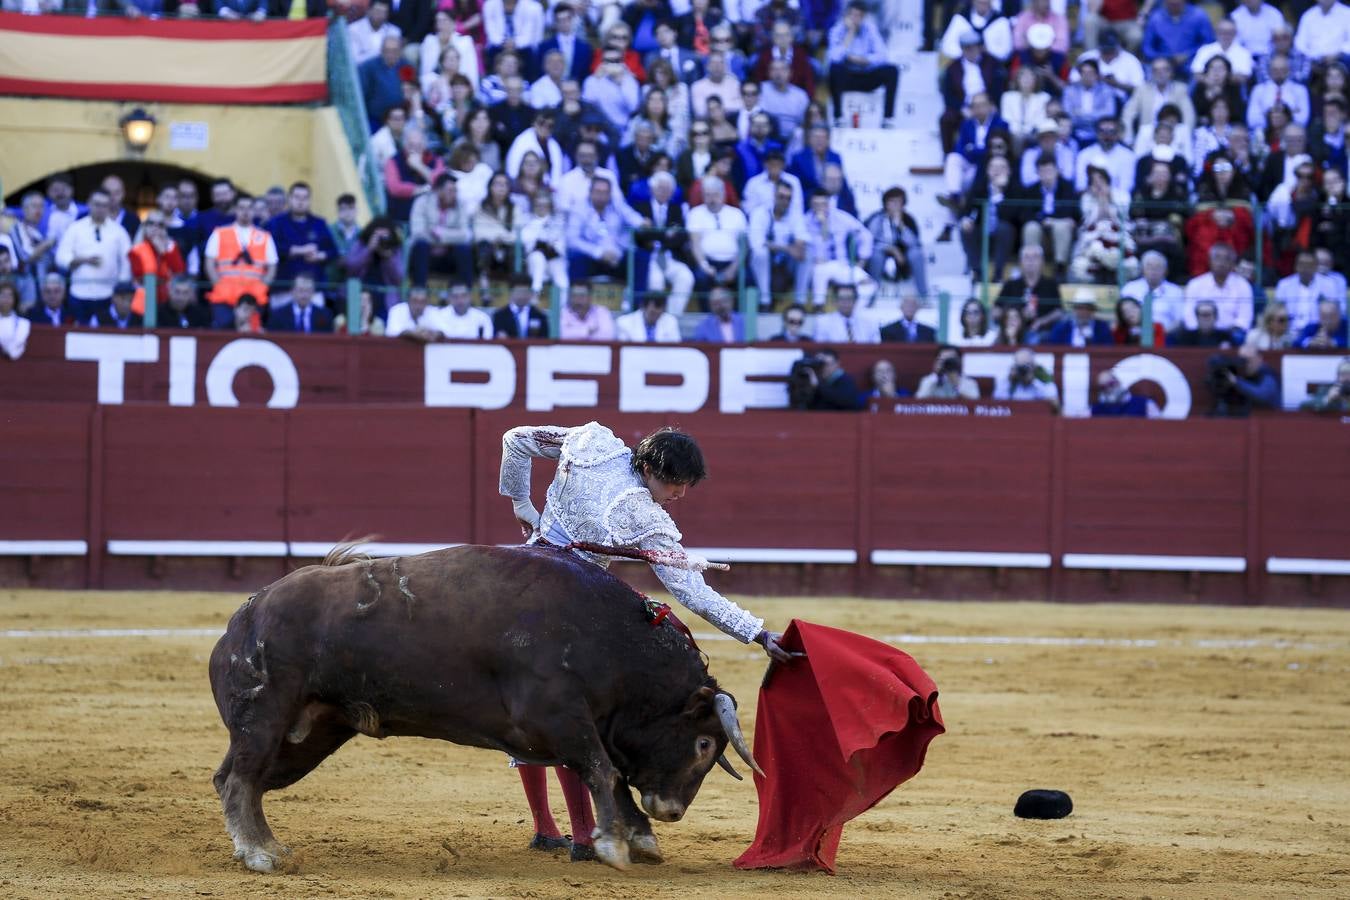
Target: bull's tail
x=344, y=553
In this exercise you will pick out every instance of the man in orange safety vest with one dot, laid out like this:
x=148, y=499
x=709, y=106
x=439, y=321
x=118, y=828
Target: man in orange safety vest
x=241, y=258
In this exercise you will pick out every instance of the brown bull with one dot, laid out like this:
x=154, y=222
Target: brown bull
x=526, y=650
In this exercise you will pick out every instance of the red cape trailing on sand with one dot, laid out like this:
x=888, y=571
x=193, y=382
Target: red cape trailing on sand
x=835, y=733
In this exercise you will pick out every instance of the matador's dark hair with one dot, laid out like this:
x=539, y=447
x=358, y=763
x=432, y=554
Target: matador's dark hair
x=672, y=456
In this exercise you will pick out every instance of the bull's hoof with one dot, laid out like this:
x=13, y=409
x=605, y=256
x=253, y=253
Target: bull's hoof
x=583, y=853
x=644, y=849
x=612, y=852
x=262, y=861
x=545, y=843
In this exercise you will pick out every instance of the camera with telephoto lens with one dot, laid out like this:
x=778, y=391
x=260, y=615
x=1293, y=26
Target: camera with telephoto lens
x=950, y=366
x=800, y=385
x=1022, y=373
x=1220, y=368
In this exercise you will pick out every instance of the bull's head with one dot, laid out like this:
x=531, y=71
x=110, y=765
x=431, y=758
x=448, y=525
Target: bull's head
x=670, y=769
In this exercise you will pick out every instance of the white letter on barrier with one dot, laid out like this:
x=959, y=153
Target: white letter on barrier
x=738, y=393
x=241, y=354
x=545, y=391
x=112, y=352
x=636, y=395
x=441, y=361
x=1076, y=386
x=1162, y=372
x=182, y=371
x=1297, y=372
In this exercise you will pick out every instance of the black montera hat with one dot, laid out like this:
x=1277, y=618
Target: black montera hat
x=1043, y=804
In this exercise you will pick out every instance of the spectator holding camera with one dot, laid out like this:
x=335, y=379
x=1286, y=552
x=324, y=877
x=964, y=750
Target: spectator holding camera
x=1114, y=400
x=1027, y=381
x=376, y=258
x=819, y=382
x=947, y=381
x=1332, y=398
x=1242, y=384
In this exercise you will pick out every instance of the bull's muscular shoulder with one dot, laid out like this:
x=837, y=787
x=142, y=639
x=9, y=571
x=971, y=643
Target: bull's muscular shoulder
x=592, y=444
x=633, y=518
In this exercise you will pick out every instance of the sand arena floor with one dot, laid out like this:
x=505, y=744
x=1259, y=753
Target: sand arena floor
x=1212, y=763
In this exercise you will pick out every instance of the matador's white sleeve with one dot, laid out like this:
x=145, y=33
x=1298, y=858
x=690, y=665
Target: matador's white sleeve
x=519, y=447
x=634, y=519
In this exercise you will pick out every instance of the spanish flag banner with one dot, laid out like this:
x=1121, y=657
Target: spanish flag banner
x=169, y=61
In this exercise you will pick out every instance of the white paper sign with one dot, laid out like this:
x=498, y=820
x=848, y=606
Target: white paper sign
x=189, y=136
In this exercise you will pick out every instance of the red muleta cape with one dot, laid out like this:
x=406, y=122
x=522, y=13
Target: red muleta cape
x=835, y=733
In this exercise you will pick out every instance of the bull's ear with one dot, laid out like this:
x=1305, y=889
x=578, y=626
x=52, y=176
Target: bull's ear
x=699, y=701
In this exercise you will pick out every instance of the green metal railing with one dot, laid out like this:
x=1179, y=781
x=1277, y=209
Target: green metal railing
x=344, y=91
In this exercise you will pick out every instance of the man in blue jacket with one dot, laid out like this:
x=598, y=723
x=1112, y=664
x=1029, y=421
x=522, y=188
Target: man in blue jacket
x=1083, y=328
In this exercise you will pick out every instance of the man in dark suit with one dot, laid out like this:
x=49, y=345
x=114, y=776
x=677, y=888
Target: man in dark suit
x=567, y=40
x=519, y=318
x=415, y=18
x=955, y=95
x=687, y=64
x=182, y=310
x=797, y=56
x=117, y=314
x=634, y=161
x=835, y=388
x=809, y=163
x=1046, y=209
x=1327, y=137
x=907, y=329
x=54, y=308
x=665, y=245
x=1034, y=291
x=1280, y=165
x=301, y=315
x=1083, y=328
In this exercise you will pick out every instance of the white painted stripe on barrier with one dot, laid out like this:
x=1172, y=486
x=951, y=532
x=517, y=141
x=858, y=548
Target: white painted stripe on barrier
x=774, y=555
x=960, y=558
x=1145, y=563
x=197, y=548
x=1288, y=565
x=902, y=640
x=320, y=549
x=43, y=548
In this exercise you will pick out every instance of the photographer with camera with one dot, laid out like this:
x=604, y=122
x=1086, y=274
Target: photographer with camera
x=1027, y=381
x=1241, y=384
x=376, y=258
x=1332, y=398
x=819, y=382
x=946, y=382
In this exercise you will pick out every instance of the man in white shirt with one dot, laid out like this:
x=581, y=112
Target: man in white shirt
x=1120, y=69
x=539, y=139
x=1256, y=21
x=718, y=82
x=1279, y=89
x=459, y=319
x=415, y=319
x=649, y=324
x=782, y=100
x=1302, y=291
x=366, y=35
x=512, y=25
x=546, y=93
x=1168, y=299
x=1230, y=293
x=777, y=240
x=715, y=232
x=1240, y=63
x=760, y=191
x=837, y=246
x=1109, y=154
x=94, y=250
x=982, y=19
x=1324, y=32
x=845, y=324
x=573, y=190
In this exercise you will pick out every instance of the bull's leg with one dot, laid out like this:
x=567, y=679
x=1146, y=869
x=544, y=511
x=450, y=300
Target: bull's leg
x=241, y=798
x=586, y=756
x=642, y=845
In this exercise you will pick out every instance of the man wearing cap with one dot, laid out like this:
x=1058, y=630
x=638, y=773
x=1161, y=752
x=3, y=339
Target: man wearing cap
x=858, y=60
x=1039, y=13
x=1120, y=69
x=982, y=20
x=117, y=314
x=1083, y=328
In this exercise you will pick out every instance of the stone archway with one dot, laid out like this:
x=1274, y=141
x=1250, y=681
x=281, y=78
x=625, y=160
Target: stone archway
x=142, y=180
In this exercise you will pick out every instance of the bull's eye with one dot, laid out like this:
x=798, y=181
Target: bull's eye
x=704, y=745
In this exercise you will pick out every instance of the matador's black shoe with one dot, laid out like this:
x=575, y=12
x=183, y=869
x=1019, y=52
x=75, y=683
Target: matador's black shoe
x=539, y=842
x=583, y=853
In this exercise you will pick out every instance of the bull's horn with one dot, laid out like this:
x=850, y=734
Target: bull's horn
x=726, y=712
x=722, y=761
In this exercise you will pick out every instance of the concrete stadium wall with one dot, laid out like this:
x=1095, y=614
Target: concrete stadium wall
x=140, y=496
